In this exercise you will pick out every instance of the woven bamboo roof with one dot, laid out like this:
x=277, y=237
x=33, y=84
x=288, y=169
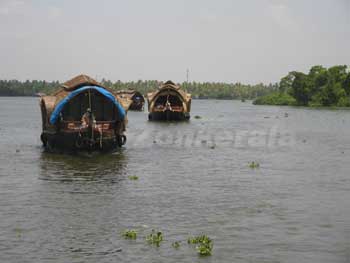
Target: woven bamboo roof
x=84, y=80
x=78, y=81
x=169, y=85
x=130, y=93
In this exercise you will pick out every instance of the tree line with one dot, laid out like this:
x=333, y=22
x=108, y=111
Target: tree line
x=26, y=88
x=319, y=87
x=201, y=90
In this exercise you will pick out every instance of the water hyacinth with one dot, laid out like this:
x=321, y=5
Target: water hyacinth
x=204, y=249
x=130, y=234
x=155, y=238
x=254, y=165
x=198, y=239
x=204, y=244
x=176, y=244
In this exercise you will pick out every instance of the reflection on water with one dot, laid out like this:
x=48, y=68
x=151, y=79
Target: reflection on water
x=96, y=167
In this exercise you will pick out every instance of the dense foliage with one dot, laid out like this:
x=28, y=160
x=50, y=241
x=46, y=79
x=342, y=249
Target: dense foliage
x=275, y=98
x=204, y=90
x=197, y=89
x=320, y=87
x=26, y=88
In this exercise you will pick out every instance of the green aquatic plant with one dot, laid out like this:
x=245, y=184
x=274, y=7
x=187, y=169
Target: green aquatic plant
x=204, y=244
x=204, y=249
x=155, y=238
x=254, y=165
x=133, y=177
x=18, y=232
x=198, y=239
x=176, y=244
x=130, y=234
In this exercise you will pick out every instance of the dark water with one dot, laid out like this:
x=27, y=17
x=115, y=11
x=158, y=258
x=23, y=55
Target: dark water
x=193, y=178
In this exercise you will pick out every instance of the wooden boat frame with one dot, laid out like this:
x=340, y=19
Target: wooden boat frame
x=105, y=133
x=136, y=105
x=169, y=103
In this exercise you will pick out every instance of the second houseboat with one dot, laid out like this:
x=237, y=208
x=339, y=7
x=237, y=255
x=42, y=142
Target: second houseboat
x=169, y=103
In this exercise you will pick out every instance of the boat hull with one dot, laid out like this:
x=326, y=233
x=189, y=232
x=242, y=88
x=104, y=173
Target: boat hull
x=80, y=142
x=168, y=116
x=137, y=106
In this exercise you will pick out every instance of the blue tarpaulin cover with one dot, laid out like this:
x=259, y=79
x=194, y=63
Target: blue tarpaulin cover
x=56, y=113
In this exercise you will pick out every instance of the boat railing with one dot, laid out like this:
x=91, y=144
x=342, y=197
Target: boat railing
x=162, y=108
x=77, y=125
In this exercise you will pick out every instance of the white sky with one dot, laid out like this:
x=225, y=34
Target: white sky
x=247, y=41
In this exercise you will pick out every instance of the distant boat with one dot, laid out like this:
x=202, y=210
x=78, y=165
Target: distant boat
x=169, y=103
x=138, y=101
x=83, y=115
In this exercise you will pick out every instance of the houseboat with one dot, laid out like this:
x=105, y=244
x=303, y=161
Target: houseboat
x=169, y=103
x=83, y=115
x=138, y=101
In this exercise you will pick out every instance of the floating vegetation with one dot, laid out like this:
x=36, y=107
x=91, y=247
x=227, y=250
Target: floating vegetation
x=198, y=239
x=130, y=234
x=197, y=117
x=18, y=232
x=204, y=244
x=133, y=177
x=254, y=165
x=204, y=249
x=155, y=238
x=176, y=244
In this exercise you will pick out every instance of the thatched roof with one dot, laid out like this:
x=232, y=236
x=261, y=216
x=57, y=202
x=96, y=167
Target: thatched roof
x=76, y=83
x=130, y=93
x=80, y=81
x=169, y=85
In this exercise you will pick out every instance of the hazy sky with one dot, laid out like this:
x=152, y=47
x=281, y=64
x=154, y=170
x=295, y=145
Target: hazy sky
x=245, y=41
